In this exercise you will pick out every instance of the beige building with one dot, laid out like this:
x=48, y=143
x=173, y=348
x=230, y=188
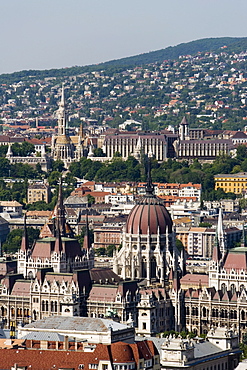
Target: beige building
x=38, y=192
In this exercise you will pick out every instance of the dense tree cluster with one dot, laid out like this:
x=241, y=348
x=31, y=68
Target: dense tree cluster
x=14, y=238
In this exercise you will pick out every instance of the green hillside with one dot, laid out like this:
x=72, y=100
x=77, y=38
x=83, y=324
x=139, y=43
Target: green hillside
x=189, y=48
x=235, y=44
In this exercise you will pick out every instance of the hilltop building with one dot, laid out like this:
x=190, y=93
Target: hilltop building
x=43, y=160
x=38, y=192
x=192, y=144
x=64, y=147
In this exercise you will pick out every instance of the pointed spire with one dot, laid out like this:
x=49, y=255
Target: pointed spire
x=60, y=211
x=220, y=232
x=149, y=187
x=86, y=241
x=62, y=115
x=243, y=237
x=81, y=133
x=184, y=121
x=216, y=250
x=58, y=243
x=9, y=152
x=176, y=281
x=24, y=242
x=62, y=102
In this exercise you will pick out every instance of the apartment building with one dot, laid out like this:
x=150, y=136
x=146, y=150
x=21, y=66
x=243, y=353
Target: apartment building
x=235, y=183
x=38, y=192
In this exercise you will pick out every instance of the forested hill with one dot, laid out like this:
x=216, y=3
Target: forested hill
x=234, y=44
x=189, y=48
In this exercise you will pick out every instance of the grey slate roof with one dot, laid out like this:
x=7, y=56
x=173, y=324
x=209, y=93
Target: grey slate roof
x=37, y=335
x=78, y=324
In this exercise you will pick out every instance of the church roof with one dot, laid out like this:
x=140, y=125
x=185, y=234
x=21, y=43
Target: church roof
x=236, y=259
x=63, y=139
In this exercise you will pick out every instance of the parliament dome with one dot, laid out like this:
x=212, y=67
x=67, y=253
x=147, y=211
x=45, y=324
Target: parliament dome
x=149, y=216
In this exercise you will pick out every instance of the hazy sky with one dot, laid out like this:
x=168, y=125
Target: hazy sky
x=44, y=34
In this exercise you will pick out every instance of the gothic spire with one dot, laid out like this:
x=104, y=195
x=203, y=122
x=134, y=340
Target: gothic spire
x=24, y=242
x=86, y=241
x=60, y=211
x=243, y=237
x=216, y=250
x=149, y=187
x=62, y=115
x=58, y=243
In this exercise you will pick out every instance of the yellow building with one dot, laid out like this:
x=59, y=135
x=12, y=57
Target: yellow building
x=38, y=192
x=235, y=183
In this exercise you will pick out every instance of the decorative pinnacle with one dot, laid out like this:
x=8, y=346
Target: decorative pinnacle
x=149, y=187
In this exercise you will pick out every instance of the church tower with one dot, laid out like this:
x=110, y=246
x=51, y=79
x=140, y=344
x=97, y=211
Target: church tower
x=62, y=147
x=184, y=129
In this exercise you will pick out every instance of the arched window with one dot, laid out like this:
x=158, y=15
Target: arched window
x=233, y=288
x=243, y=315
x=144, y=268
x=12, y=312
x=30, y=275
x=153, y=267
x=223, y=288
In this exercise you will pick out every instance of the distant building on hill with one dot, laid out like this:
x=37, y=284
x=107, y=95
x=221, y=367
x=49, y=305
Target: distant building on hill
x=38, y=192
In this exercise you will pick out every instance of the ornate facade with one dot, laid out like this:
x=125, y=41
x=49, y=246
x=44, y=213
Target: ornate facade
x=56, y=249
x=64, y=147
x=225, y=302
x=149, y=250
x=135, y=144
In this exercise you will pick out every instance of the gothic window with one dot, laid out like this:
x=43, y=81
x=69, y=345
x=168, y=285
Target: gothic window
x=241, y=288
x=34, y=315
x=46, y=306
x=153, y=266
x=233, y=288
x=19, y=312
x=55, y=307
x=187, y=311
x=43, y=305
x=242, y=315
x=12, y=312
x=30, y=275
x=223, y=288
x=52, y=306
x=144, y=268
x=204, y=312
